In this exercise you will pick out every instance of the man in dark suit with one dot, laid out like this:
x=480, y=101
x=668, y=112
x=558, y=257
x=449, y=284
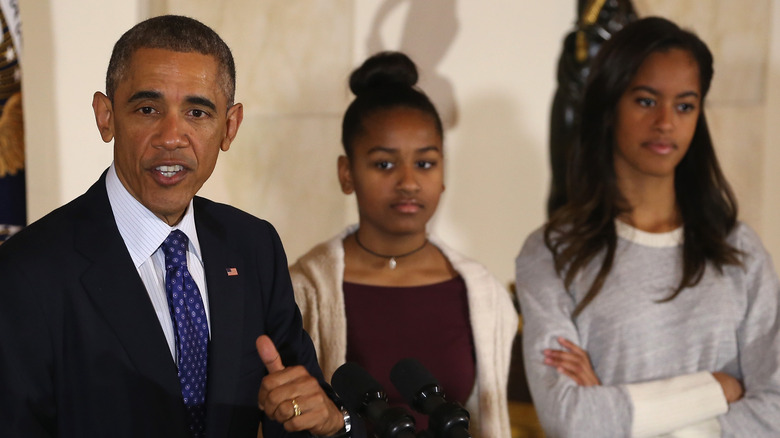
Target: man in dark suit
x=94, y=340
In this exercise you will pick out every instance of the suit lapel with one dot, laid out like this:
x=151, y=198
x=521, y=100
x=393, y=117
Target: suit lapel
x=226, y=297
x=115, y=287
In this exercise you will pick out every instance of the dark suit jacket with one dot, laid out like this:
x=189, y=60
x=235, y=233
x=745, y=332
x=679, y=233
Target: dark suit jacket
x=82, y=353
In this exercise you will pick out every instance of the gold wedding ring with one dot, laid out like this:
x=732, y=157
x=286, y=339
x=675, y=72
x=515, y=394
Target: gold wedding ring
x=296, y=408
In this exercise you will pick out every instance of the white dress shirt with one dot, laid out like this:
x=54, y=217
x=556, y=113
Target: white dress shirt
x=143, y=233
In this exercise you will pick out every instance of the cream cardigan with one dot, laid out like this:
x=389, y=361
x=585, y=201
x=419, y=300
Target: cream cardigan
x=317, y=280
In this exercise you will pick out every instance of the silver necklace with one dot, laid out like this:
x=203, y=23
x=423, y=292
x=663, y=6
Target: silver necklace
x=392, y=259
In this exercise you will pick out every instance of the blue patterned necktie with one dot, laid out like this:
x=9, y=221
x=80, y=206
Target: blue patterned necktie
x=190, y=327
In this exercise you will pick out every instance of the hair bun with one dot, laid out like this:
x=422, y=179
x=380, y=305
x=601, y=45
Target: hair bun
x=382, y=71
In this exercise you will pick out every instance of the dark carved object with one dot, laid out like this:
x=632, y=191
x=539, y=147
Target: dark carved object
x=597, y=21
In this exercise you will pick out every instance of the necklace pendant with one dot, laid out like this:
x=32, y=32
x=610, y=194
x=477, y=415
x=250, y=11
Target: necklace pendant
x=392, y=263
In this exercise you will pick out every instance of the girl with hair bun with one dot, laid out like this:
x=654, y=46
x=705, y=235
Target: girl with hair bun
x=648, y=308
x=384, y=289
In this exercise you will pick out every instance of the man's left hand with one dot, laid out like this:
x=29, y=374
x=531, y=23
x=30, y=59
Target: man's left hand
x=284, y=388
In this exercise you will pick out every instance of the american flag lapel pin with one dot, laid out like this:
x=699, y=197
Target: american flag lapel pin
x=232, y=272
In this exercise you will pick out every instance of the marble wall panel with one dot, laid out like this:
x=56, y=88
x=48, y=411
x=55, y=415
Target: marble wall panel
x=289, y=53
x=283, y=169
x=737, y=33
x=292, y=61
x=739, y=142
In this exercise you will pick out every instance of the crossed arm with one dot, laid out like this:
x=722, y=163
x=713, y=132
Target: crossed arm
x=574, y=362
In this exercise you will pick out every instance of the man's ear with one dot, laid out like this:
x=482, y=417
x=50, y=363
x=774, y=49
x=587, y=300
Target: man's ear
x=235, y=116
x=345, y=175
x=104, y=115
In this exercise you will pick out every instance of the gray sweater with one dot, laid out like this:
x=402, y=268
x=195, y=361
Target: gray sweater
x=654, y=359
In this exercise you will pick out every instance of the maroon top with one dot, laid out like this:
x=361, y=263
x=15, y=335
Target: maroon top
x=429, y=323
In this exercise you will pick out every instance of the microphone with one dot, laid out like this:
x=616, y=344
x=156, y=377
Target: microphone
x=364, y=395
x=421, y=390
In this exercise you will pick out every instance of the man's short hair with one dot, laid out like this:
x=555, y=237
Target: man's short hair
x=175, y=33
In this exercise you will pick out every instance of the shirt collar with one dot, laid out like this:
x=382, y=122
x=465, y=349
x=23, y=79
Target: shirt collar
x=656, y=240
x=141, y=230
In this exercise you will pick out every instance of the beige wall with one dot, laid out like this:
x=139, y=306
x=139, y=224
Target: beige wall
x=770, y=171
x=66, y=51
x=488, y=65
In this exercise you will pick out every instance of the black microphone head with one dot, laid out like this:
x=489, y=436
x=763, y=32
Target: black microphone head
x=352, y=383
x=363, y=394
x=422, y=391
x=410, y=377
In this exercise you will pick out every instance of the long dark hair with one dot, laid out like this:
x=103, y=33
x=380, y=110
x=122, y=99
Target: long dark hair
x=385, y=80
x=584, y=227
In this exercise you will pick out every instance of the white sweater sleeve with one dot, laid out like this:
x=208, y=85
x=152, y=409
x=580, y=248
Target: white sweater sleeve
x=670, y=404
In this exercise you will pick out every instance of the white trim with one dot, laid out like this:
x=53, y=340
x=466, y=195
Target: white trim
x=655, y=240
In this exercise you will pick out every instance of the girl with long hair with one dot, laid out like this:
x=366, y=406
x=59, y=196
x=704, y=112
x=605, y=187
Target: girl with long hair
x=385, y=289
x=648, y=308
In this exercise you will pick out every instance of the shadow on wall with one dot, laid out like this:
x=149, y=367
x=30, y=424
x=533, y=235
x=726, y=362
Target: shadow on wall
x=425, y=44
